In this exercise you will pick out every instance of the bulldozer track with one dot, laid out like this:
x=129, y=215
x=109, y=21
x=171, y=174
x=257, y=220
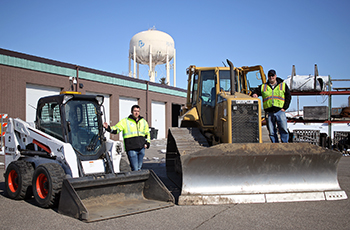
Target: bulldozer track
x=188, y=140
x=182, y=141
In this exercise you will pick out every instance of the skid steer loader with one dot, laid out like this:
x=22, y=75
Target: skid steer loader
x=66, y=161
x=217, y=155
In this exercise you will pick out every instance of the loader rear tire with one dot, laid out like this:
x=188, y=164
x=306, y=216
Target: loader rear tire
x=18, y=177
x=47, y=184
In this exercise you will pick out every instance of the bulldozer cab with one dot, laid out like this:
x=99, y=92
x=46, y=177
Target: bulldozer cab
x=208, y=86
x=204, y=84
x=250, y=78
x=74, y=119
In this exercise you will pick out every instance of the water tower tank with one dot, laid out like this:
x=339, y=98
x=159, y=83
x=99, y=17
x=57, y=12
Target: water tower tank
x=152, y=47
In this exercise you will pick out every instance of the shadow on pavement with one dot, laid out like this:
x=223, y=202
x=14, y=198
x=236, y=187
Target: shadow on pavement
x=160, y=170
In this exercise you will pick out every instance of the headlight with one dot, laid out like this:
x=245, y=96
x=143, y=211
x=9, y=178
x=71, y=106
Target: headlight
x=66, y=98
x=99, y=99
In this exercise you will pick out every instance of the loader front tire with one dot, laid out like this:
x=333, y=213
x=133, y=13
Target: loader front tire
x=18, y=177
x=47, y=184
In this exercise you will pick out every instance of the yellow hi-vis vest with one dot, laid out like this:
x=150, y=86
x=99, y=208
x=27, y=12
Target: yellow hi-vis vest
x=132, y=129
x=273, y=97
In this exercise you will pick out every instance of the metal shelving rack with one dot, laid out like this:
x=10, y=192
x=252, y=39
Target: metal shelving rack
x=329, y=93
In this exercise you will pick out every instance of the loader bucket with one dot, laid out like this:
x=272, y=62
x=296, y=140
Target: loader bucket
x=259, y=173
x=113, y=195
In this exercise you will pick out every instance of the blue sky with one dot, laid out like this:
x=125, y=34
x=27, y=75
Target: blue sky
x=275, y=34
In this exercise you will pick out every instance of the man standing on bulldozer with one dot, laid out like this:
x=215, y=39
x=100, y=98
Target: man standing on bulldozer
x=276, y=99
x=136, y=136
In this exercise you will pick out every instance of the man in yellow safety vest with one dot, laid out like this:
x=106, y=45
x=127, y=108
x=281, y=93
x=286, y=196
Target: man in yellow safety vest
x=276, y=99
x=136, y=136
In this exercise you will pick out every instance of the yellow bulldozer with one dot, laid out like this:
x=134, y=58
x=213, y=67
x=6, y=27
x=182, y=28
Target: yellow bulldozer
x=217, y=155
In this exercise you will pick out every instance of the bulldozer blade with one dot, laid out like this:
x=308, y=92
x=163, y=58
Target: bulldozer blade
x=259, y=173
x=113, y=195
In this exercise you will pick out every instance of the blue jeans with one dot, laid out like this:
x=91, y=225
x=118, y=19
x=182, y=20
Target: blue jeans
x=136, y=158
x=279, y=118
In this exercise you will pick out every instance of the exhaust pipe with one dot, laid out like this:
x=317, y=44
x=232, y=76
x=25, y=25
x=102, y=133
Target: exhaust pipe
x=232, y=77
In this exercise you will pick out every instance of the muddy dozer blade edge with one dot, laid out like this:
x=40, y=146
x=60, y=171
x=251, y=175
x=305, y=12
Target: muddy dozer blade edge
x=113, y=195
x=260, y=173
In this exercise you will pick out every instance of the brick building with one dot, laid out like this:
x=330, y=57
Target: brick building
x=25, y=78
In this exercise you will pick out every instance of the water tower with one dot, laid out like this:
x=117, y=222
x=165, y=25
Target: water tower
x=152, y=48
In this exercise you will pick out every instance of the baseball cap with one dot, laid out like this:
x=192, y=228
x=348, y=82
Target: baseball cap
x=271, y=72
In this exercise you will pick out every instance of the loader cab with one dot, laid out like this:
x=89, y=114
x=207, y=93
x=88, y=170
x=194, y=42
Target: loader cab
x=83, y=126
x=74, y=119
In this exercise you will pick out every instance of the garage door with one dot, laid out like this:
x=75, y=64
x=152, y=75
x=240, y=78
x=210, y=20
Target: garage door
x=33, y=93
x=106, y=104
x=158, y=118
x=125, y=104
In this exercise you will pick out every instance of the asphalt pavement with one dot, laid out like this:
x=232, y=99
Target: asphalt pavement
x=25, y=214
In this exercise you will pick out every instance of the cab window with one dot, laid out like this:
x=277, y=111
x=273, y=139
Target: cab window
x=253, y=80
x=50, y=120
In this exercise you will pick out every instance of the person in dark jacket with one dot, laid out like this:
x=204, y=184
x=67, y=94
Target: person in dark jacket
x=276, y=100
x=136, y=136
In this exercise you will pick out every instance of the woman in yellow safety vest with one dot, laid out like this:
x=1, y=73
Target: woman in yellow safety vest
x=136, y=136
x=276, y=99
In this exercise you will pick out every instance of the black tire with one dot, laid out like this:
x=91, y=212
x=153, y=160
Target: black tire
x=47, y=184
x=18, y=180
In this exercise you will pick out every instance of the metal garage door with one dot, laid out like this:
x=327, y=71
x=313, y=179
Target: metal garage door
x=125, y=104
x=33, y=93
x=158, y=118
